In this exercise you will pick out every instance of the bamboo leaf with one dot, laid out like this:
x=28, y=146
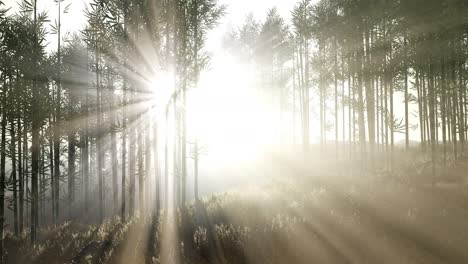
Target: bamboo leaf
x=67, y=8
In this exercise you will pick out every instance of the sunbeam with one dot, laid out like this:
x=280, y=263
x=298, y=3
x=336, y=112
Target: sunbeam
x=222, y=131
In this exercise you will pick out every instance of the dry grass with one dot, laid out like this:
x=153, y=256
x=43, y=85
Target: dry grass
x=315, y=215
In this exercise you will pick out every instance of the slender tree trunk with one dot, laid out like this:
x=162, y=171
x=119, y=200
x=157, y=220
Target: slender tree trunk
x=462, y=102
x=369, y=95
x=42, y=181
x=157, y=182
x=406, y=96
x=336, y=94
x=443, y=112
x=392, y=114
x=35, y=139
x=71, y=158
x=57, y=130
x=454, y=105
x=166, y=162
x=196, y=170
x=343, y=102
x=24, y=198
x=305, y=111
x=383, y=112
x=175, y=154
x=432, y=120
x=420, y=111
x=362, y=127
x=99, y=129
x=124, y=150
x=86, y=161
x=114, y=162
x=183, y=149
x=27, y=189
x=321, y=95
x=2, y=171
x=196, y=67
x=13, y=174
x=141, y=175
x=377, y=111
x=147, y=163
x=124, y=122
x=350, y=102
x=51, y=164
x=21, y=176
x=427, y=120
x=132, y=164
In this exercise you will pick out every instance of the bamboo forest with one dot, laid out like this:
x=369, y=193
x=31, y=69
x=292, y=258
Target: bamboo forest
x=233, y=131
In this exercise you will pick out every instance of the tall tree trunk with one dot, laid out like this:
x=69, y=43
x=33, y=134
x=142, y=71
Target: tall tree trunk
x=335, y=75
x=454, y=106
x=321, y=95
x=13, y=174
x=426, y=106
x=432, y=119
x=25, y=197
x=443, y=111
x=294, y=90
x=369, y=95
x=114, y=161
x=42, y=181
x=35, y=138
x=147, y=162
x=131, y=190
x=71, y=158
x=86, y=160
x=51, y=164
x=124, y=122
x=57, y=125
x=462, y=102
x=362, y=127
x=133, y=136
x=157, y=180
x=183, y=149
x=124, y=150
x=166, y=161
x=343, y=102
x=196, y=68
x=2, y=171
x=21, y=176
x=27, y=189
x=141, y=175
x=99, y=137
x=420, y=111
x=305, y=104
x=406, y=95
x=392, y=114
x=175, y=153
x=350, y=102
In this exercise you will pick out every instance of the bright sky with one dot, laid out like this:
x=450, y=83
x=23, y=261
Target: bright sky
x=71, y=22
x=237, y=11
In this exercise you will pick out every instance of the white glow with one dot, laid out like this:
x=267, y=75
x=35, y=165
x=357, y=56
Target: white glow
x=227, y=115
x=162, y=84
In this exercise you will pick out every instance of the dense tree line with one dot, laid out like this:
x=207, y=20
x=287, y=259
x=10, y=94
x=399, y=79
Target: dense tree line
x=67, y=115
x=359, y=58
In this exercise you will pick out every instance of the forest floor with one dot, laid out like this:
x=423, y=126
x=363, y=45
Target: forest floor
x=319, y=212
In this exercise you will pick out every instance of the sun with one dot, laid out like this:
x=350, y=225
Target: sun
x=161, y=87
x=228, y=114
